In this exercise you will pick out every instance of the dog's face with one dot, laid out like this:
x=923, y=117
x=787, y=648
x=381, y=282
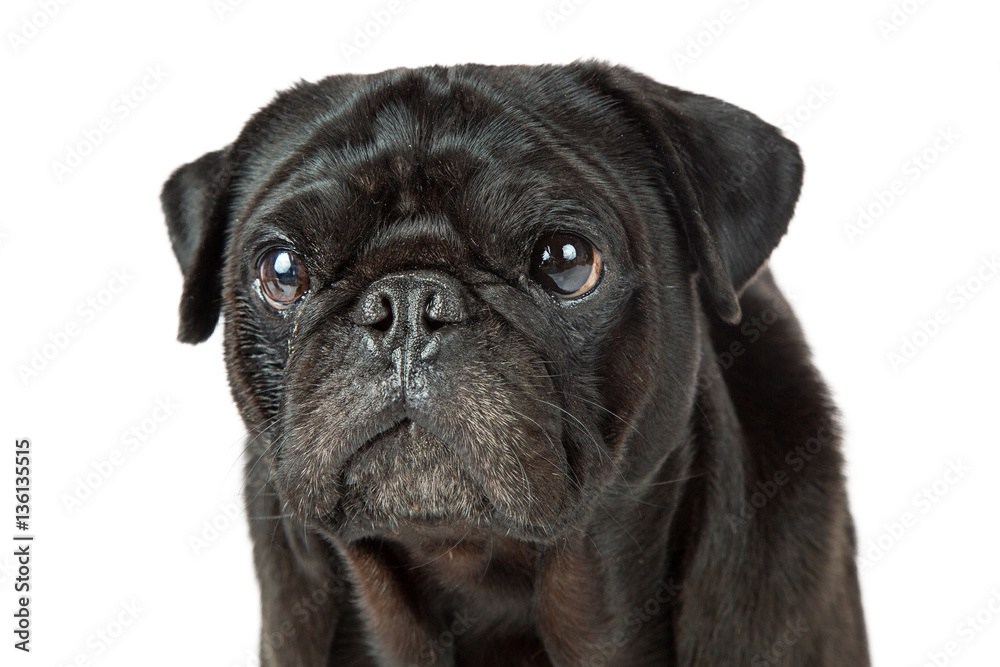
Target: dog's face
x=460, y=298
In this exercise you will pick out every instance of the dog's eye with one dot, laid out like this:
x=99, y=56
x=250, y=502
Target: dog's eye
x=565, y=264
x=283, y=278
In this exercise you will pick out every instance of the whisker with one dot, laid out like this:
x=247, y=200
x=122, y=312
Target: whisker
x=445, y=553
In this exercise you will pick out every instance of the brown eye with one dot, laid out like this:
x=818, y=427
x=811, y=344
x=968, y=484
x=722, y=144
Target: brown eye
x=283, y=278
x=566, y=264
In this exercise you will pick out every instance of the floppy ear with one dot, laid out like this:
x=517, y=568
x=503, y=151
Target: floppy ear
x=196, y=203
x=734, y=180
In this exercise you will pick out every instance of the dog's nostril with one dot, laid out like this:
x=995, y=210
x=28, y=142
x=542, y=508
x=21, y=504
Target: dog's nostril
x=444, y=307
x=385, y=323
x=433, y=324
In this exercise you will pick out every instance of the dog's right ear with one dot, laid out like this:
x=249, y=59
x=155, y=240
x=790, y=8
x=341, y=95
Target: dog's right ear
x=733, y=177
x=196, y=200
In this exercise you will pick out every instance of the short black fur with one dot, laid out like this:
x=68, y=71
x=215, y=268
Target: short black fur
x=449, y=465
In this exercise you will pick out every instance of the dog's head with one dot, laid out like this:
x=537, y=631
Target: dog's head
x=472, y=296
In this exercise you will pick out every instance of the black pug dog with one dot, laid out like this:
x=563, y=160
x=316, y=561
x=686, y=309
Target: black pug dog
x=518, y=389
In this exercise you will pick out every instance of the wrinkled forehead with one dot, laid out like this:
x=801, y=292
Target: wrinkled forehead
x=463, y=158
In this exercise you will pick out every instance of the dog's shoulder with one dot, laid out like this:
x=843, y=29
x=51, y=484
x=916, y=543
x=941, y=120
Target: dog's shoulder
x=781, y=400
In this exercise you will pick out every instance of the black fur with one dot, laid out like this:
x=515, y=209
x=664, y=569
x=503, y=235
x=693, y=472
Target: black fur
x=631, y=478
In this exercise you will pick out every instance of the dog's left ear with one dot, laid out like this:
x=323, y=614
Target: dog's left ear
x=196, y=201
x=733, y=178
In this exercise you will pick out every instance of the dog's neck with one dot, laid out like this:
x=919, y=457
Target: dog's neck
x=439, y=598
x=462, y=596
x=420, y=597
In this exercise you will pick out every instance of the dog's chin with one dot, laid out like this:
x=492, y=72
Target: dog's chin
x=404, y=482
x=407, y=478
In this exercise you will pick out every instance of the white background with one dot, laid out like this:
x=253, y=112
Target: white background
x=886, y=96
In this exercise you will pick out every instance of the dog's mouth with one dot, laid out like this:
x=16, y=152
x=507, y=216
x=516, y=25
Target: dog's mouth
x=469, y=446
x=406, y=474
x=410, y=477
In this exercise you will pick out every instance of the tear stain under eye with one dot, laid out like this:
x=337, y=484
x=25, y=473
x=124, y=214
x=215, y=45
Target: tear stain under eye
x=291, y=337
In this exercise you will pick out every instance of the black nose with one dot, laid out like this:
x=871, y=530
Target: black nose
x=411, y=304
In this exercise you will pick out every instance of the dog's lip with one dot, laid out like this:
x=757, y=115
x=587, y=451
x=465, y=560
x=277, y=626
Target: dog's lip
x=402, y=414
x=399, y=425
x=405, y=423
x=389, y=417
